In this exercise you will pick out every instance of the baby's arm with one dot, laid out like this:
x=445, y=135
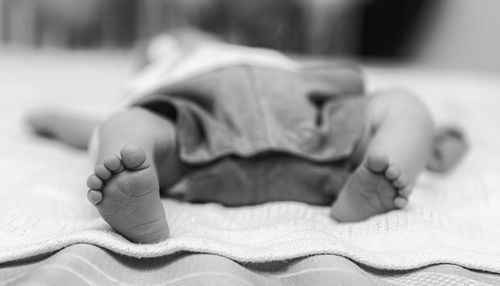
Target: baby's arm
x=64, y=126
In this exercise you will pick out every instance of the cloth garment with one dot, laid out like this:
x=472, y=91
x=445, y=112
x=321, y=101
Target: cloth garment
x=251, y=133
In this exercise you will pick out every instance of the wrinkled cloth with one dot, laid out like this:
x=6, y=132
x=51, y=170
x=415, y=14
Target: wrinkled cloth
x=255, y=126
x=250, y=132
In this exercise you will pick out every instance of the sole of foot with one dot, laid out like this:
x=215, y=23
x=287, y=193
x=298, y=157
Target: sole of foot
x=125, y=191
x=376, y=187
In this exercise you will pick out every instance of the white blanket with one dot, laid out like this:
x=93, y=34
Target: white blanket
x=452, y=218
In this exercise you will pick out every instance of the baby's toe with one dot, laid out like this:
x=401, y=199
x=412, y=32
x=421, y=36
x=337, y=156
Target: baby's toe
x=94, y=182
x=377, y=162
x=392, y=173
x=114, y=164
x=94, y=196
x=133, y=157
x=400, y=202
x=406, y=192
x=401, y=182
x=102, y=172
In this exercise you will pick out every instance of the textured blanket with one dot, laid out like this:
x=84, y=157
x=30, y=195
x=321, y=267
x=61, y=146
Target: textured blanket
x=452, y=218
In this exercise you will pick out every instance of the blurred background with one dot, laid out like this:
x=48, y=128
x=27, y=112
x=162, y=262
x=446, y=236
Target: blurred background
x=458, y=33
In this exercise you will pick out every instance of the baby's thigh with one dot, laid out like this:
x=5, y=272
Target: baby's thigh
x=398, y=111
x=395, y=117
x=396, y=102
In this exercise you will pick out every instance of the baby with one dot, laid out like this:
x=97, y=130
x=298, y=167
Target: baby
x=213, y=122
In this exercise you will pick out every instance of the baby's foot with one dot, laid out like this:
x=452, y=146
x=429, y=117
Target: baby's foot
x=375, y=187
x=125, y=191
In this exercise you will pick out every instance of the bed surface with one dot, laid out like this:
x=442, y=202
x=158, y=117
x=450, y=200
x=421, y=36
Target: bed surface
x=93, y=82
x=83, y=264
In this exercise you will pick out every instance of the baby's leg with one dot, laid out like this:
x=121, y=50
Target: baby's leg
x=125, y=187
x=400, y=135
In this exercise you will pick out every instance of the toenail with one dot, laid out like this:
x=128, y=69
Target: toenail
x=95, y=197
x=400, y=202
x=401, y=182
x=406, y=191
x=392, y=173
x=378, y=163
x=93, y=182
x=133, y=156
x=102, y=172
x=113, y=163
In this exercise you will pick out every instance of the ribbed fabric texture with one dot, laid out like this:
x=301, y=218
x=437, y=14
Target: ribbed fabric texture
x=453, y=219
